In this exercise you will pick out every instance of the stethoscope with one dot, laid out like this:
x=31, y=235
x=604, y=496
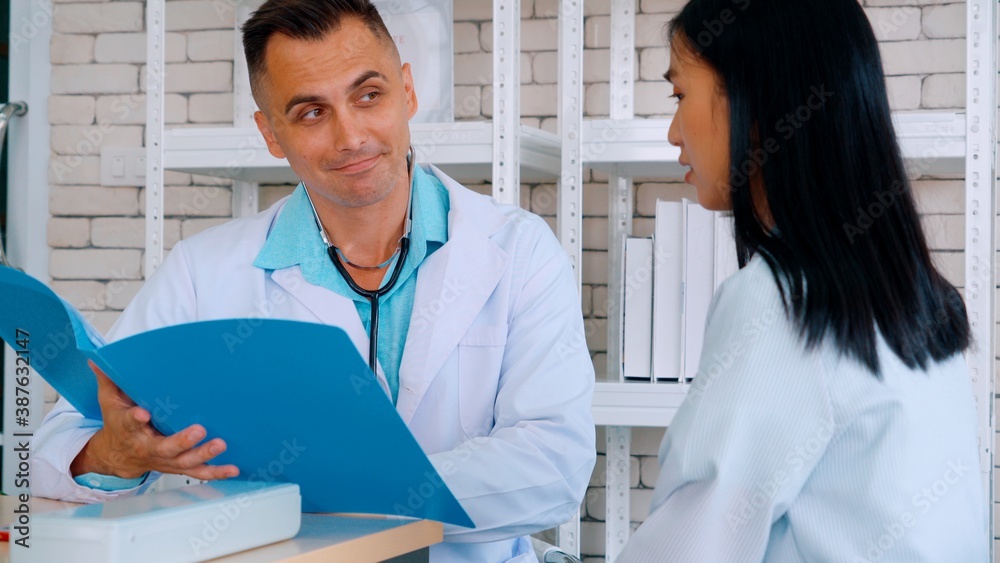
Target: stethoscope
x=373, y=296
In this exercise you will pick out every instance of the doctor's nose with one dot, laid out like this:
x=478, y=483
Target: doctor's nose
x=348, y=134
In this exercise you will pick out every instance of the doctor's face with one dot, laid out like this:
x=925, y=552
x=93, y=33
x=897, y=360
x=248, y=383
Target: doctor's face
x=338, y=109
x=701, y=126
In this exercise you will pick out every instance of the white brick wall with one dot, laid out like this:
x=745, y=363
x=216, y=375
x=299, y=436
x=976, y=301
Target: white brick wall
x=89, y=201
x=131, y=48
x=944, y=21
x=98, y=18
x=191, y=15
x=944, y=91
x=210, y=108
x=94, y=263
x=98, y=55
x=94, y=79
x=88, y=139
x=68, y=49
x=72, y=110
x=214, y=45
x=69, y=233
x=98, y=76
x=197, y=77
x=131, y=109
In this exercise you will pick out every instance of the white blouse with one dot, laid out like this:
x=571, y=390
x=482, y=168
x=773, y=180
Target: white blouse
x=784, y=454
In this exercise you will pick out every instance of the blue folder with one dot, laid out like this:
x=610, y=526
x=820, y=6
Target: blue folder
x=295, y=402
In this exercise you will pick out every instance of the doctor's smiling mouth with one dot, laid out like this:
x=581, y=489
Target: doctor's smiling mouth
x=358, y=166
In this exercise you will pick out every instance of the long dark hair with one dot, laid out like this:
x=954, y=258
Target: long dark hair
x=811, y=126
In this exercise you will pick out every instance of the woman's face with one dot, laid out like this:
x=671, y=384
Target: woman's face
x=700, y=128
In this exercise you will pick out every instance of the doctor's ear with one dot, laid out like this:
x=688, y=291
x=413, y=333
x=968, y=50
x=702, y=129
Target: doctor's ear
x=264, y=125
x=411, y=92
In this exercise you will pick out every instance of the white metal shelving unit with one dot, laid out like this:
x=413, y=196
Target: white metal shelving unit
x=980, y=225
x=506, y=152
x=463, y=150
x=638, y=148
x=933, y=143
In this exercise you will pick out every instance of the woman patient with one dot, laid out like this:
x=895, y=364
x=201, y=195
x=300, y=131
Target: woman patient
x=832, y=417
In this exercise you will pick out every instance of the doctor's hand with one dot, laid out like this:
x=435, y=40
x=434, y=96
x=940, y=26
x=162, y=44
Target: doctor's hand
x=128, y=446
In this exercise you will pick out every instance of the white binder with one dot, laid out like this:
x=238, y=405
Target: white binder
x=638, y=288
x=699, y=281
x=726, y=262
x=668, y=290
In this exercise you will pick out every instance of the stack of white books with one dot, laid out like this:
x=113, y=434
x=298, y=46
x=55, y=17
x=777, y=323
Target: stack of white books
x=667, y=287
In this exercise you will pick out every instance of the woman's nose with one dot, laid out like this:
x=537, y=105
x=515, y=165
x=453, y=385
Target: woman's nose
x=674, y=133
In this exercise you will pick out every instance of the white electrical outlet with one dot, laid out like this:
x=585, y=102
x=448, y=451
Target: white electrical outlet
x=123, y=167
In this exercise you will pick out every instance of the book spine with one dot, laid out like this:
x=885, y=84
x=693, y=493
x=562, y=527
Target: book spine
x=699, y=280
x=638, y=284
x=668, y=290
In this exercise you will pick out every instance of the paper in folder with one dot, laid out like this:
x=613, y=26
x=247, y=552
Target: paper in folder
x=295, y=402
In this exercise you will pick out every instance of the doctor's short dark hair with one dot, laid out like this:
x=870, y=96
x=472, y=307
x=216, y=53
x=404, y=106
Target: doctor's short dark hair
x=810, y=125
x=309, y=20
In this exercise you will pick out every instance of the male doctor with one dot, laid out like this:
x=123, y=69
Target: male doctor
x=480, y=342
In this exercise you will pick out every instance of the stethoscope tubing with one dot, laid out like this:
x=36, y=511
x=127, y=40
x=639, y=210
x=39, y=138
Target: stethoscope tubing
x=373, y=295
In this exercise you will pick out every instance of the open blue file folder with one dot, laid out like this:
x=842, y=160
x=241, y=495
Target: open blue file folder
x=295, y=402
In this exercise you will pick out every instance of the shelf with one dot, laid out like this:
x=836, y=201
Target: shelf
x=463, y=150
x=639, y=146
x=934, y=142
x=637, y=403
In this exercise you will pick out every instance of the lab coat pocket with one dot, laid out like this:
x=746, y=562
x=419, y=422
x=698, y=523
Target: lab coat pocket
x=480, y=356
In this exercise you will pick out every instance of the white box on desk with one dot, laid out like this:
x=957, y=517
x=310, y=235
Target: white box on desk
x=193, y=523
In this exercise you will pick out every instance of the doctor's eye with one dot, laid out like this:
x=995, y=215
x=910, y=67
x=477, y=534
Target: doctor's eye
x=312, y=114
x=371, y=97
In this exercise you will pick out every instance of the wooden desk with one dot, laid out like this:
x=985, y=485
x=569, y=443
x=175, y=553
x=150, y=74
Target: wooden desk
x=322, y=537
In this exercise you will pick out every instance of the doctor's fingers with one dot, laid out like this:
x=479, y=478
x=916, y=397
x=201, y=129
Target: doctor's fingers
x=173, y=457
x=107, y=392
x=127, y=421
x=193, y=462
x=206, y=472
x=176, y=444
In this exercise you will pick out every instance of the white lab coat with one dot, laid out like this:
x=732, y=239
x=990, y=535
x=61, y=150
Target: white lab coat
x=495, y=383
